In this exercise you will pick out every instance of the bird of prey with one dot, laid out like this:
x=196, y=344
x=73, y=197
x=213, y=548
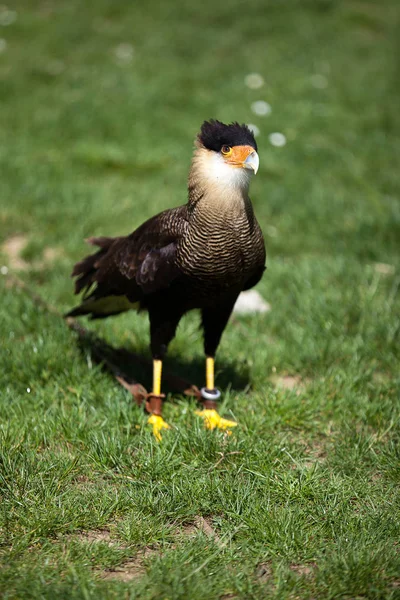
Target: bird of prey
x=197, y=256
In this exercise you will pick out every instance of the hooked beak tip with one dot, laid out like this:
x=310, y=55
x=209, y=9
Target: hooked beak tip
x=252, y=162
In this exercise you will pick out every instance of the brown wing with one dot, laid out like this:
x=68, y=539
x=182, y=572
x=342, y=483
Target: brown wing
x=132, y=266
x=148, y=254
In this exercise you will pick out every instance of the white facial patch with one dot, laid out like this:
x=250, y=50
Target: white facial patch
x=225, y=175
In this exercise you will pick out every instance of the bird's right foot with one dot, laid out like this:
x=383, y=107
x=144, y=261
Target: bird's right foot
x=158, y=424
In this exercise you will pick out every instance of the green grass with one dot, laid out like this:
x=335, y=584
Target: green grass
x=302, y=501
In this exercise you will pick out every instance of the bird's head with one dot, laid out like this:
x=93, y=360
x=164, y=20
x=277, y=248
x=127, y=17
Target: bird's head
x=227, y=153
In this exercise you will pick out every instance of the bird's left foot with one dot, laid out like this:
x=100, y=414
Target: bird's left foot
x=158, y=424
x=212, y=420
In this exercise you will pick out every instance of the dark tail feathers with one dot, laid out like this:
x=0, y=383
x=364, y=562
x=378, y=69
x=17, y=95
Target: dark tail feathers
x=85, y=269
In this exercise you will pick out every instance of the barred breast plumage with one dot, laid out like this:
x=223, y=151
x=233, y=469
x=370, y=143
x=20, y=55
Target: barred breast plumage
x=221, y=250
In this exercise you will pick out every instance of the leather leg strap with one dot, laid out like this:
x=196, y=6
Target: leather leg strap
x=209, y=404
x=154, y=403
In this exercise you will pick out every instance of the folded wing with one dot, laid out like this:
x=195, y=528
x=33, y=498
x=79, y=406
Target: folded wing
x=120, y=275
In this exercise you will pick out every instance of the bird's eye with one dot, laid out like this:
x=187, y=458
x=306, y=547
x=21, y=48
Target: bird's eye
x=226, y=150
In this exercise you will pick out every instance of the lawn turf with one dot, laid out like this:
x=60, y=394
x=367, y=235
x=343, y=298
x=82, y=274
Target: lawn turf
x=99, y=106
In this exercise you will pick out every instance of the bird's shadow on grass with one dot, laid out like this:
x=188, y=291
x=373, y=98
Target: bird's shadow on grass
x=133, y=369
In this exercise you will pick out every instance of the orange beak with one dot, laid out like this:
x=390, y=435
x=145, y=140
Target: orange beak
x=243, y=156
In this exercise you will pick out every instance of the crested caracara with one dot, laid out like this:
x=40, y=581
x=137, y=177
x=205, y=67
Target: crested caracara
x=197, y=256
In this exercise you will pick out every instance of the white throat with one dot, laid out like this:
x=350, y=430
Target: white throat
x=214, y=175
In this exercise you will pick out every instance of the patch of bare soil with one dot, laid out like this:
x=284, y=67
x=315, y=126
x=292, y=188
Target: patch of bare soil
x=131, y=569
x=97, y=535
x=316, y=454
x=13, y=248
x=206, y=527
x=201, y=524
x=384, y=268
x=50, y=254
x=188, y=530
x=290, y=382
x=381, y=377
x=82, y=480
x=264, y=572
x=304, y=570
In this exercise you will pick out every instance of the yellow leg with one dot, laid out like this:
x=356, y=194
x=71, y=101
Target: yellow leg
x=157, y=370
x=212, y=419
x=210, y=372
x=156, y=420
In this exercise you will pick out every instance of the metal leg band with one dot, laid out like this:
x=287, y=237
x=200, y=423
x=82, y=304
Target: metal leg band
x=207, y=394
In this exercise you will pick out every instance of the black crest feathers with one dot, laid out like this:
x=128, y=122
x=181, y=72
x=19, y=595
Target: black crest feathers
x=214, y=134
